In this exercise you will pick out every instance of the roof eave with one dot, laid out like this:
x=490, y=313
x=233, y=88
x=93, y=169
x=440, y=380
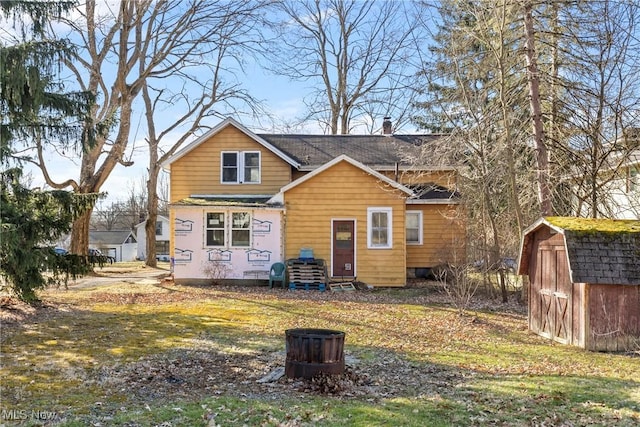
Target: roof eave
x=353, y=162
x=433, y=202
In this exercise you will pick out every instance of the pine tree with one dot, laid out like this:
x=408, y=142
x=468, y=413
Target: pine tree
x=34, y=106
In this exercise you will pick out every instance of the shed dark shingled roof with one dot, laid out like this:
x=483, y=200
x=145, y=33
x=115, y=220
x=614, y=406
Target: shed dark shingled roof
x=604, y=257
x=600, y=251
x=312, y=151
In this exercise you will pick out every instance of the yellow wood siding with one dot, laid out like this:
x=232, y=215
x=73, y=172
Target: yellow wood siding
x=443, y=236
x=198, y=172
x=345, y=192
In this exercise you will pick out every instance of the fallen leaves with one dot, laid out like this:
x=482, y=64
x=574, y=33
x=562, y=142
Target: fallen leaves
x=149, y=345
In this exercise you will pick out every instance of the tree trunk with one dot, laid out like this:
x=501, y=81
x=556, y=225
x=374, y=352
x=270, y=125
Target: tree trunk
x=542, y=172
x=503, y=285
x=152, y=211
x=80, y=234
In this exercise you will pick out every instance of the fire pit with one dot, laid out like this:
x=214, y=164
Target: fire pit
x=314, y=351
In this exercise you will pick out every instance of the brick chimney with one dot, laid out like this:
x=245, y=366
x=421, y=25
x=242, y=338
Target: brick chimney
x=386, y=126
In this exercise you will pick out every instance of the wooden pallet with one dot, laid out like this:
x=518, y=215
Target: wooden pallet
x=340, y=287
x=306, y=274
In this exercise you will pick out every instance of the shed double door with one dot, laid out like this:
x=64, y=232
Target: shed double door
x=551, y=312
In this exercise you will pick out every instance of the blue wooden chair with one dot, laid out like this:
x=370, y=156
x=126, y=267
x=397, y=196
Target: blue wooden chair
x=277, y=273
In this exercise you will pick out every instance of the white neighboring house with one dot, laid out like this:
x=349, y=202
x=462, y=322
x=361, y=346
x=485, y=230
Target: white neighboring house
x=626, y=190
x=620, y=197
x=163, y=232
x=121, y=245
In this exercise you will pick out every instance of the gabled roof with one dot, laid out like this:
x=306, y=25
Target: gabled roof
x=342, y=158
x=219, y=127
x=118, y=237
x=160, y=218
x=381, y=152
x=308, y=152
x=599, y=251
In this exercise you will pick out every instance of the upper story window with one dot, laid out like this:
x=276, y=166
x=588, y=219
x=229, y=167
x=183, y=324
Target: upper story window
x=158, y=228
x=414, y=227
x=379, y=229
x=240, y=167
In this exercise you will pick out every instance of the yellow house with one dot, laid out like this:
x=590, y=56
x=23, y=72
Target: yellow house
x=241, y=201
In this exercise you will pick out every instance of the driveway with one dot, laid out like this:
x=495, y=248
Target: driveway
x=114, y=274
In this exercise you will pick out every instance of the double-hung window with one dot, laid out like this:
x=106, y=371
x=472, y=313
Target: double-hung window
x=240, y=167
x=215, y=229
x=240, y=229
x=228, y=229
x=414, y=227
x=379, y=228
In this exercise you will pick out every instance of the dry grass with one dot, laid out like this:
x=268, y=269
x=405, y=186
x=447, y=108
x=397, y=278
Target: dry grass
x=101, y=354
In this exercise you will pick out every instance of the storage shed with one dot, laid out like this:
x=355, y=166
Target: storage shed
x=584, y=281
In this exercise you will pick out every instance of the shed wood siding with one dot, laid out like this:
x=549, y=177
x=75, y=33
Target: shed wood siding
x=552, y=303
x=345, y=192
x=443, y=237
x=198, y=172
x=614, y=317
x=601, y=313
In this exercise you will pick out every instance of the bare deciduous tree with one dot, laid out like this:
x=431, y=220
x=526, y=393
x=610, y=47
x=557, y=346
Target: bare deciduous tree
x=119, y=53
x=601, y=72
x=354, y=55
x=210, y=84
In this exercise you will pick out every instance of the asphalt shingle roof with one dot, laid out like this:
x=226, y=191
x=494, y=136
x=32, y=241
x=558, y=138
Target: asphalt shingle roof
x=604, y=257
x=311, y=151
x=117, y=237
x=431, y=191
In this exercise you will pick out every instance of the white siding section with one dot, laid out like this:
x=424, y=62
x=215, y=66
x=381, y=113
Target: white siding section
x=193, y=260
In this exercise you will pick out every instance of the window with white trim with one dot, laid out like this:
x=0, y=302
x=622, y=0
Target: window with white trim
x=215, y=230
x=414, y=227
x=251, y=163
x=379, y=228
x=230, y=229
x=240, y=167
x=240, y=229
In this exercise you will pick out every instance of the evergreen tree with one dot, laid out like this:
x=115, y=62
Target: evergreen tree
x=34, y=106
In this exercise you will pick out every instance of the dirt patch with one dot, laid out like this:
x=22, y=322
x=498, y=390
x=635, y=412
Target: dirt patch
x=201, y=372
x=14, y=312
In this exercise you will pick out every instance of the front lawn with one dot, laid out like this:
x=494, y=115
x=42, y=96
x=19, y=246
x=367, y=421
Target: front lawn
x=142, y=354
